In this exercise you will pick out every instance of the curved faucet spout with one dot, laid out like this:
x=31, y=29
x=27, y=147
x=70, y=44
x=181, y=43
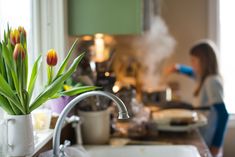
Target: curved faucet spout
x=123, y=114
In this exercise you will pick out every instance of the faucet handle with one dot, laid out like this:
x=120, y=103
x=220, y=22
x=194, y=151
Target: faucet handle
x=62, y=148
x=67, y=143
x=74, y=119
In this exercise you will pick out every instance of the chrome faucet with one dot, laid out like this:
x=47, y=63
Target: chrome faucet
x=123, y=114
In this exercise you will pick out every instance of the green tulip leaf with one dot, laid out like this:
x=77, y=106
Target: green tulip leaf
x=33, y=76
x=78, y=90
x=5, y=105
x=55, y=86
x=7, y=92
x=66, y=60
x=8, y=58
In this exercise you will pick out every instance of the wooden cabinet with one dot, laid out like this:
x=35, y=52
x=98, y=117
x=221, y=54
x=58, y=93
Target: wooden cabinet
x=87, y=17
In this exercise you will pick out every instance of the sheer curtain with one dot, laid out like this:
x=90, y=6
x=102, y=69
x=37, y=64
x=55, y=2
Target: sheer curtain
x=227, y=35
x=221, y=30
x=48, y=29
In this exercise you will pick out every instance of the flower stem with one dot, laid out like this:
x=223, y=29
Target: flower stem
x=49, y=74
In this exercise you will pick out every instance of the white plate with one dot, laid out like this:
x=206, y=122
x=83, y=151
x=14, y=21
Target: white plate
x=167, y=115
x=200, y=122
x=164, y=117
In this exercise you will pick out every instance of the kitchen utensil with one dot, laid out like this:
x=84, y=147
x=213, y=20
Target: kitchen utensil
x=95, y=126
x=157, y=97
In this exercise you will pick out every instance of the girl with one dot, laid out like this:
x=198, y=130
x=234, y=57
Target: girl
x=208, y=92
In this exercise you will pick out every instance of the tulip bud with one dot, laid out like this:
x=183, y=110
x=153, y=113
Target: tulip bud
x=22, y=31
x=51, y=57
x=15, y=37
x=19, y=51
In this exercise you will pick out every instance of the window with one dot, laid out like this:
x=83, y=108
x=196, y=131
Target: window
x=15, y=13
x=227, y=49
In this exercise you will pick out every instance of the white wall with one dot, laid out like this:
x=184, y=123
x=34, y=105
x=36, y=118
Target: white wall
x=187, y=22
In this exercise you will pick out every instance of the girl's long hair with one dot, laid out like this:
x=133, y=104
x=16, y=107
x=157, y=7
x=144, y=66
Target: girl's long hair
x=205, y=51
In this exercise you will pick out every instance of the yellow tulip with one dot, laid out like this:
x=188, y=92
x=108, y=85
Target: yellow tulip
x=15, y=37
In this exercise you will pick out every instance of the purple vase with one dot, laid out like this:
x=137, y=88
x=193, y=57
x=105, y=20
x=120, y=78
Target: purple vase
x=57, y=105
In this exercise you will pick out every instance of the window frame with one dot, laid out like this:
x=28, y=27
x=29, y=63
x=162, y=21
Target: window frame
x=214, y=30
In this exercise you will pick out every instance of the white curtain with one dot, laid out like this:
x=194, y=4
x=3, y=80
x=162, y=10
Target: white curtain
x=48, y=31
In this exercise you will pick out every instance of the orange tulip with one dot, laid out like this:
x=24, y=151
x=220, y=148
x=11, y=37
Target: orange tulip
x=19, y=51
x=52, y=57
x=15, y=37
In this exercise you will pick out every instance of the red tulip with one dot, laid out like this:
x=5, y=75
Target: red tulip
x=18, y=51
x=52, y=57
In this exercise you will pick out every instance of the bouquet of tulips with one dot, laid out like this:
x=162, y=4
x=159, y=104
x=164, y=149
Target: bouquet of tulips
x=16, y=88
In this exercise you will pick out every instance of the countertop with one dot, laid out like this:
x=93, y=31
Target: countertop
x=192, y=137
x=186, y=138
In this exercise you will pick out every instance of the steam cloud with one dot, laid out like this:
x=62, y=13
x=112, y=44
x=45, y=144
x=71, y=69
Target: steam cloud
x=155, y=46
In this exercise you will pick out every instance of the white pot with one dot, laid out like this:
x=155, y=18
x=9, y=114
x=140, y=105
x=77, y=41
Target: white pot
x=95, y=126
x=20, y=135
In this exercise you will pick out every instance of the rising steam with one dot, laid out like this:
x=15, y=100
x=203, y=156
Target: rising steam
x=155, y=46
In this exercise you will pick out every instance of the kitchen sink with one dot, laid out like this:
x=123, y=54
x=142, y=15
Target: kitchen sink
x=143, y=151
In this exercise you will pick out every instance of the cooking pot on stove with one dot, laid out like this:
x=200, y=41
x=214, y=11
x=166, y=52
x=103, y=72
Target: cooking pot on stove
x=157, y=97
